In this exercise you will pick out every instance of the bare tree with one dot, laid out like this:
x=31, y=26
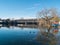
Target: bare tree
x=45, y=18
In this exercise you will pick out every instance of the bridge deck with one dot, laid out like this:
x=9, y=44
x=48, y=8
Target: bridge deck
x=32, y=23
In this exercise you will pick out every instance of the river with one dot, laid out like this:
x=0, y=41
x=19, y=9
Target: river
x=27, y=36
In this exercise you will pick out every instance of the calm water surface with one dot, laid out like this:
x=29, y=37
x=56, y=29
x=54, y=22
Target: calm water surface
x=26, y=36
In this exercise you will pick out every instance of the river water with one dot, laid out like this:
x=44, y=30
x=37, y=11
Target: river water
x=27, y=36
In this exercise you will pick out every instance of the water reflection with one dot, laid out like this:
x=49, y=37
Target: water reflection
x=47, y=38
x=27, y=36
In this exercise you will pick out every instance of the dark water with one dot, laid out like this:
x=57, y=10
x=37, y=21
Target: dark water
x=26, y=36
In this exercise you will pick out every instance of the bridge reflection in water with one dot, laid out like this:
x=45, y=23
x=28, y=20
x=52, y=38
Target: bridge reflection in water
x=28, y=23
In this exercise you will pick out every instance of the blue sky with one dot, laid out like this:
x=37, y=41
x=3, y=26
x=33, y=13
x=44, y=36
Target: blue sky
x=25, y=8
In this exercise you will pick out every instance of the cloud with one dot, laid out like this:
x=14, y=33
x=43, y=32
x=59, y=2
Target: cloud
x=34, y=6
x=37, y=4
x=31, y=8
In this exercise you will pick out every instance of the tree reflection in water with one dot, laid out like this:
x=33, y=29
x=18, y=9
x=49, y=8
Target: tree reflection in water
x=46, y=38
